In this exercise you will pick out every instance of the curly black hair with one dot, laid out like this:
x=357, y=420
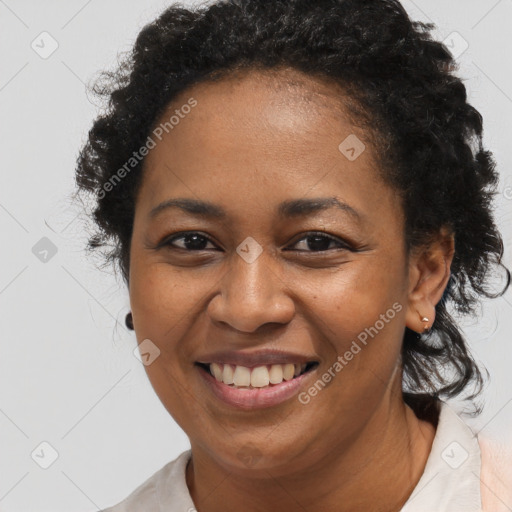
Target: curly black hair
x=405, y=93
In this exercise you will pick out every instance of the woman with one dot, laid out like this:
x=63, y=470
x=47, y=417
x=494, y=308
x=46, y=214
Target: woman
x=296, y=193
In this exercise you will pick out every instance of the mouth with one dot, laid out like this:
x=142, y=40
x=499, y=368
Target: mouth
x=264, y=376
x=258, y=387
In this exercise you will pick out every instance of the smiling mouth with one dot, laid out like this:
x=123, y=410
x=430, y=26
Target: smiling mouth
x=263, y=376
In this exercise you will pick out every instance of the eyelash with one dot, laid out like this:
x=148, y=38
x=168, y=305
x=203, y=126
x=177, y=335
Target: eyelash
x=168, y=242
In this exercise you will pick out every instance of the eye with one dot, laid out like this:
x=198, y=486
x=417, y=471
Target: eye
x=194, y=241
x=320, y=242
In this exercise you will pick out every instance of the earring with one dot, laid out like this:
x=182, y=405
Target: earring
x=129, y=321
x=426, y=328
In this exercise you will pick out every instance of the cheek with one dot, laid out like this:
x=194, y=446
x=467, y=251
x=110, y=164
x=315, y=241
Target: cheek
x=164, y=305
x=164, y=299
x=361, y=311
x=356, y=295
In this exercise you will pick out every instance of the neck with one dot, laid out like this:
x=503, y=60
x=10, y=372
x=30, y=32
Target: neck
x=377, y=471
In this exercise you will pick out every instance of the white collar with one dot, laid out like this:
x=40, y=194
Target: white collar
x=451, y=478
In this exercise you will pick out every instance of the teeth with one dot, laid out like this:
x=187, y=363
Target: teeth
x=216, y=369
x=276, y=374
x=242, y=376
x=288, y=371
x=258, y=377
x=227, y=374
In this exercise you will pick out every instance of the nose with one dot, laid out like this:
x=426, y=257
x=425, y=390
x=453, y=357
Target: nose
x=252, y=294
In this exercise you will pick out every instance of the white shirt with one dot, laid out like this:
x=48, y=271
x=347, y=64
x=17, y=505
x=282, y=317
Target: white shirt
x=450, y=481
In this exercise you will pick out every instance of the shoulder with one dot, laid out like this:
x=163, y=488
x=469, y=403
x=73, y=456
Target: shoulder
x=496, y=474
x=166, y=485
x=469, y=471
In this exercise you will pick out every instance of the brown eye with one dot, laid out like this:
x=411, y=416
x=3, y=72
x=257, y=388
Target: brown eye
x=320, y=242
x=191, y=241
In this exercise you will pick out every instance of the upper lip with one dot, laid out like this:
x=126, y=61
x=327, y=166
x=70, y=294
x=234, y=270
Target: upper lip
x=256, y=358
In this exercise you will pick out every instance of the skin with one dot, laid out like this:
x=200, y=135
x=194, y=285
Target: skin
x=252, y=142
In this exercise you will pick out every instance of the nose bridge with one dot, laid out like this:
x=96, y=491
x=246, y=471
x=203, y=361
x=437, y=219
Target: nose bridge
x=251, y=273
x=252, y=293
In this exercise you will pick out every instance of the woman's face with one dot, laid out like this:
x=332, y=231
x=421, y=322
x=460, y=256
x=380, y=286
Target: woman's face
x=256, y=277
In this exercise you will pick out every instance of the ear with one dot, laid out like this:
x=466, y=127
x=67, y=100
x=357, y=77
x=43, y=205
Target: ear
x=429, y=272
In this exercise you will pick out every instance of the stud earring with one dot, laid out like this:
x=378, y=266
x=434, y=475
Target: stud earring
x=426, y=328
x=129, y=321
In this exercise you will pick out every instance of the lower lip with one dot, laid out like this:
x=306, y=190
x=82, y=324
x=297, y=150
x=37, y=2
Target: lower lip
x=254, y=398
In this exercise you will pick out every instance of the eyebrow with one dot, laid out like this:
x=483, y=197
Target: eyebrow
x=288, y=209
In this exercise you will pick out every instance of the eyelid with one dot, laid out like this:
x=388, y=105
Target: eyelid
x=342, y=244
x=167, y=241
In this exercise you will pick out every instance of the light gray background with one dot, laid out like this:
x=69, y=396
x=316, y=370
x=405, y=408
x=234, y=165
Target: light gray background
x=68, y=373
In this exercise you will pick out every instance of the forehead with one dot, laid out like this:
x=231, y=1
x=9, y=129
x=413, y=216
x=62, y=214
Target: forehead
x=259, y=135
x=279, y=89
x=281, y=108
